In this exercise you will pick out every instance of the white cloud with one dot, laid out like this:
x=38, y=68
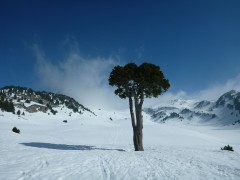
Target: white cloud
x=165, y=98
x=212, y=93
x=85, y=79
x=215, y=90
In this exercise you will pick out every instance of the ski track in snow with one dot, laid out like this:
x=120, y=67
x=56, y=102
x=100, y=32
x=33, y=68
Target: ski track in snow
x=97, y=148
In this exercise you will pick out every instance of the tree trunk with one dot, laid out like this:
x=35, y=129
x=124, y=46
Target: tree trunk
x=138, y=124
x=133, y=122
x=138, y=135
x=131, y=112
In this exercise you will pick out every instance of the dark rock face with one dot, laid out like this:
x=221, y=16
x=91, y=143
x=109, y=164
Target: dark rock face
x=36, y=108
x=172, y=116
x=202, y=104
x=225, y=97
x=186, y=111
x=231, y=99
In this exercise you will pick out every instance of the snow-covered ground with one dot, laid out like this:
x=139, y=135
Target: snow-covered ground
x=95, y=147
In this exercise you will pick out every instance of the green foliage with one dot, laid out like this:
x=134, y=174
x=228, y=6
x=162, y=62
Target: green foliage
x=228, y=148
x=57, y=102
x=15, y=96
x=49, y=106
x=30, y=90
x=18, y=112
x=27, y=101
x=146, y=80
x=16, y=130
x=7, y=106
x=2, y=96
x=46, y=96
x=40, y=101
x=53, y=112
x=51, y=109
x=71, y=106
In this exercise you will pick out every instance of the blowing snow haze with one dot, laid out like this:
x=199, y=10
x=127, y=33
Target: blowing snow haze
x=85, y=79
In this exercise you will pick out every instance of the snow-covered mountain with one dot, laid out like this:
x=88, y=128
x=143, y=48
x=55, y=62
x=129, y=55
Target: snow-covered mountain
x=22, y=101
x=224, y=111
x=99, y=147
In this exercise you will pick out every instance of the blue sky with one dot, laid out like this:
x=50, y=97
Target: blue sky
x=44, y=44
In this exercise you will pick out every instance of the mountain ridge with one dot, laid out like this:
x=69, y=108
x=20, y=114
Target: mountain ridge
x=16, y=98
x=224, y=111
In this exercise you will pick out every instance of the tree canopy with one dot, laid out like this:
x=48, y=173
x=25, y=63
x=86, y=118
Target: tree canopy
x=146, y=80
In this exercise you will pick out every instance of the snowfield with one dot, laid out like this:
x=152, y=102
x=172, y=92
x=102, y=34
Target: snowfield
x=95, y=147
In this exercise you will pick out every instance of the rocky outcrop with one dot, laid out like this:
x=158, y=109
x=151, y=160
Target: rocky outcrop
x=36, y=108
x=41, y=101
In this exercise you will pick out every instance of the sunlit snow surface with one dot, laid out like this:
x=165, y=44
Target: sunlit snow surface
x=95, y=147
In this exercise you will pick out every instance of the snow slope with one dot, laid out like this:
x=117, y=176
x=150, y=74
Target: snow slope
x=225, y=111
x=95, y=147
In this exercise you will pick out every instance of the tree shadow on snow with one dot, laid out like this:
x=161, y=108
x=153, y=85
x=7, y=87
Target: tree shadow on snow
x=65, y=146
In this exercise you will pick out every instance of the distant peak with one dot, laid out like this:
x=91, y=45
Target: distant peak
x=230, y=92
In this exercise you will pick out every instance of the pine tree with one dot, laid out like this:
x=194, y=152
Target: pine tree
x=18, y=112
x=137, y=83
